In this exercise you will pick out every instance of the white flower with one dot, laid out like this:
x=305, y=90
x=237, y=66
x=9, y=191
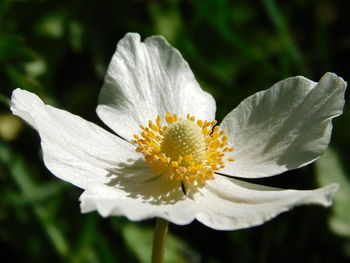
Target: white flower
x=180, y=170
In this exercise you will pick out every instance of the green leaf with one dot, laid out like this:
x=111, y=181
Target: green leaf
x=329, y=170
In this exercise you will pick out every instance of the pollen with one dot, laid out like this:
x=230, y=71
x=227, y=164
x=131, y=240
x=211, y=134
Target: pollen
x=183, y=149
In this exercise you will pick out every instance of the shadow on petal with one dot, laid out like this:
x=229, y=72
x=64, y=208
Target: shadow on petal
x=138, y=181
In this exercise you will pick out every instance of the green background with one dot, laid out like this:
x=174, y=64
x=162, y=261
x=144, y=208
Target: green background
x=60, y=50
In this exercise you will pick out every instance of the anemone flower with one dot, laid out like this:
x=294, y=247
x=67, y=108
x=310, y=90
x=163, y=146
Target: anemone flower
x=168, y=157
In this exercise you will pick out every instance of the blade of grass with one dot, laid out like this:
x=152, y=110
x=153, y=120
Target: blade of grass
x=283, y=30
x=21, y=174
x=4, y=100
x=4, y=6
x=105, y=252
x=42, y=193
x=84, y=250
x=219, y=20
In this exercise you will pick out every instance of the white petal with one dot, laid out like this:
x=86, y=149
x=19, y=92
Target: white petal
x=74, y=149
x=228, y=204
x=139, y=200
x=147, y=79
x=284, y=127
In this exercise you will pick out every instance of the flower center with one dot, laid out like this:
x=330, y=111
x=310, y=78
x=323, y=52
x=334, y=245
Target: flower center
x=183, y=149
x=184, y=138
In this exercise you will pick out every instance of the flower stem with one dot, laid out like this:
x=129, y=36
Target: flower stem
x=160, y=235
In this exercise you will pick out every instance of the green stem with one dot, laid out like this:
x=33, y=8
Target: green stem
x=159, y=240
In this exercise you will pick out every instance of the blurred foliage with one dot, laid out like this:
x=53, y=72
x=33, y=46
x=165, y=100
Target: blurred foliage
x=60, y=50
x=329, y=169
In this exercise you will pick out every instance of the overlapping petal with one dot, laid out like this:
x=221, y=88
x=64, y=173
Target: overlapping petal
x=140, y=199
x=74, y=149
x=223, y=203
x=229, y=204
x=284, y=127
x=148, y=78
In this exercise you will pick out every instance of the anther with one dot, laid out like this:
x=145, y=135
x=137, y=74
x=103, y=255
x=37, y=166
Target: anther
x=184, y=148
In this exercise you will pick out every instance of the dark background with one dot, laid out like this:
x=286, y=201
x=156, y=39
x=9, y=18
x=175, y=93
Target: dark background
x=60, y=50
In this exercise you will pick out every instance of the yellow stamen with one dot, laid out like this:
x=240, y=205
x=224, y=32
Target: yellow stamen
x=183, y=149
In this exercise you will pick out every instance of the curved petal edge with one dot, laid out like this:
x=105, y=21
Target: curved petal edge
x=229, y=204
x=146, y=79
x=74, y=149
x=283, y=128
